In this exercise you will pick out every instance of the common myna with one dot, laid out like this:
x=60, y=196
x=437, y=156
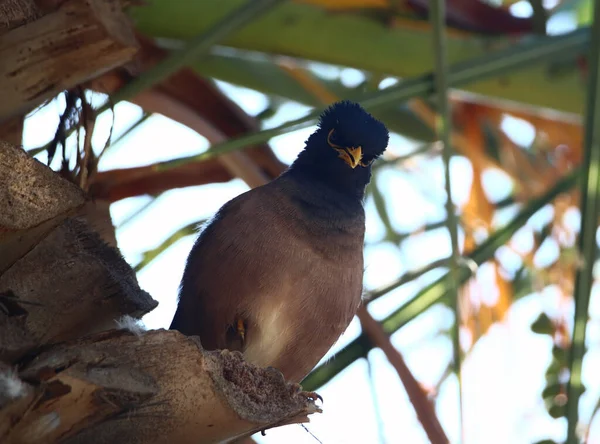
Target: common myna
x=277, y=274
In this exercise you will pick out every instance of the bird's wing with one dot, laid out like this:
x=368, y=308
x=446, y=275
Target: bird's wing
x=234, y=259
x=294, y=285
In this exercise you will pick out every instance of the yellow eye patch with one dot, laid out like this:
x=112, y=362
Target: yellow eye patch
x=352, y=155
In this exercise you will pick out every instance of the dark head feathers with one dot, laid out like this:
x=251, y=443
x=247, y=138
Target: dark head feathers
x=339, y=154
x=353, y=126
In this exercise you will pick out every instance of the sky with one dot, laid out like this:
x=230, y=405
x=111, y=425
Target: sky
x=503, y=374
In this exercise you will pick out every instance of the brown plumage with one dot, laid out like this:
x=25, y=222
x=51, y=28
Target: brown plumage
x=277, y=274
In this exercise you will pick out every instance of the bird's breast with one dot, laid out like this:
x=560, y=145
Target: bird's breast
x=301, y=316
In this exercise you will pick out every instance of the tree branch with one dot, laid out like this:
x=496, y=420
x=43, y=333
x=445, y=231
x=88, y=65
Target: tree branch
x=423, y=406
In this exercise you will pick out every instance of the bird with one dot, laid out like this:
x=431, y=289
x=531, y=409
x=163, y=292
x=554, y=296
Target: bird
x=277, y=273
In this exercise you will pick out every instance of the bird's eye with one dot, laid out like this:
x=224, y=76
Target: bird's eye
x=332, y=138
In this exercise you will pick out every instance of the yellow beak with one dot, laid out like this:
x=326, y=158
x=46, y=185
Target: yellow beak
x=352, y=156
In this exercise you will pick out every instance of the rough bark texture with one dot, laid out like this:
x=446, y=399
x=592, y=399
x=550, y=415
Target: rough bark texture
x=33, y=200
x=76, y=41
x=159, y=387
x=15, y=13
x=66, y=375
x=71, y=284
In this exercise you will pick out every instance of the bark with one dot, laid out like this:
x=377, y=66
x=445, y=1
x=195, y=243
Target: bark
x=33, y=200
x=72, y=42
x=66, y=375
x=71, y=284
x=15, y=13
x=159, y=387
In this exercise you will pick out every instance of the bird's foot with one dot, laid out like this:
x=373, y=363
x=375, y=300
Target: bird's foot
x=314, y=396
x=297, y=388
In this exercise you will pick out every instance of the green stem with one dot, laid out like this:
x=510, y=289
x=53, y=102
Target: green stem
x=437, y=19
x=540, y=16
x=590, y=209
x=437, y=291
x=406, y=278
x=136, y=213
x=492, y=65
x=193, y=49
x=149, y=255
x=366, y=42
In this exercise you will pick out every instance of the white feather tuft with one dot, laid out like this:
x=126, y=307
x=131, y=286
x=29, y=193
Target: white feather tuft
x=11, y=386
x=131, y=324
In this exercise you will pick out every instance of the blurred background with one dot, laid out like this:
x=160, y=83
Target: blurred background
x=488, y=360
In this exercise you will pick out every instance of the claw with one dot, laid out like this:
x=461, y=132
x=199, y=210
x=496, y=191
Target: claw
x=314, y=396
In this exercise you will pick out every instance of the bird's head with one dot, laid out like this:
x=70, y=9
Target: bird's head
x=340, y=152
